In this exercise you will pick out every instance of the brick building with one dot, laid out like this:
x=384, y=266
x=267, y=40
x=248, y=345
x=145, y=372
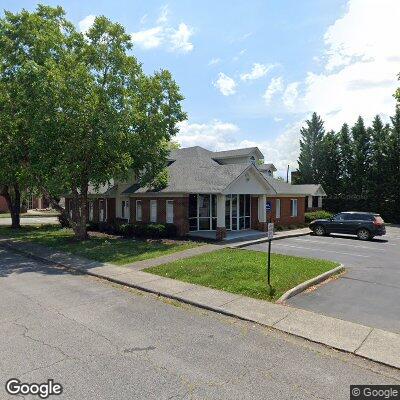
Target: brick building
x=207, y=191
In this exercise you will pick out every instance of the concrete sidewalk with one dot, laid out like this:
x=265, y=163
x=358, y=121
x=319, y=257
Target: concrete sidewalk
x=277, y=236
x=371, y=343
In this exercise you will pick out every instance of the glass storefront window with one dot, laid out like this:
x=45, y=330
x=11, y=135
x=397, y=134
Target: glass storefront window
x=204, y=205
x=204, y=224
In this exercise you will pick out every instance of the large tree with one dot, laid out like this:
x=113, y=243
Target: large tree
x=310, y=158
x=347, y=160
x=95, y=116
x=393, y=171
x=362, y=156
x=330, y=177
x=26, y=40
x=379, y=162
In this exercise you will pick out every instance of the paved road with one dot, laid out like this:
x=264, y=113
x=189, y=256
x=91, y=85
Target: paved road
x=31, y=221
x=368, y=293
x=101, y=341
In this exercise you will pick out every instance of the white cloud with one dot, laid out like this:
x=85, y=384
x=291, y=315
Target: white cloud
x=240, y=54
x=214, y=61
x=225, y=84
x=258, y=71
x=275, y=86
x=85, y=24
x=180, y=39
x=217, y=136
x=143, y=20
x=290, y=95
x=164, y=15
x=164, y=35
x=361, y=65
x=150, y=38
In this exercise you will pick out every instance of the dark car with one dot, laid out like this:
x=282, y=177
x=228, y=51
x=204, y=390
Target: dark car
x=363, y=224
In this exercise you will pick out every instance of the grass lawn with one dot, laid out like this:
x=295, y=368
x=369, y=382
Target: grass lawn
x=113, y=250
x=244, y=271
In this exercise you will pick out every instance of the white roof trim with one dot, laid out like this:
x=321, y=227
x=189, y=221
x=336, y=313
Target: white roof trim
x=258, y=175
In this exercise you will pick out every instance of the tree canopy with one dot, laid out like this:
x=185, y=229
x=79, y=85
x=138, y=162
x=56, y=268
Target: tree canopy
x=360, y=166
x=89, y=111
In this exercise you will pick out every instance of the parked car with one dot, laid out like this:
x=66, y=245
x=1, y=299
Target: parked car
x=363, y=224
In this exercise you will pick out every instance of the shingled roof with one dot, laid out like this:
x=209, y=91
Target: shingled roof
x=194, y=170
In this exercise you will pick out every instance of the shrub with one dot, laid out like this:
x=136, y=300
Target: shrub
x=171, y=230
x=92, y=226
x=63, y=221
x=155, y=231
x=313, y=215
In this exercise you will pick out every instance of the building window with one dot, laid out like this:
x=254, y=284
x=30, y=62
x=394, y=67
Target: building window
x=202, y=212
x=30, y=202
x=90, y=210
x=70, y=208
x=124, y=209
x=170, y=212
x=101, y=211
x=277, y=208
x=138, y=210
x=315, y=201
x=153, y=210
x=293, y=207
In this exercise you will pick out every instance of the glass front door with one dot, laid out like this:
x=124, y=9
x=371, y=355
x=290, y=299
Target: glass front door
x=237, y=211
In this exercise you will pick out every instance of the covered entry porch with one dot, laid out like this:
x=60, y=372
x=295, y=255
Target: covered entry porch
x=217, y=216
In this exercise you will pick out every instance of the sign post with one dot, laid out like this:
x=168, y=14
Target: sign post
x=270, y=236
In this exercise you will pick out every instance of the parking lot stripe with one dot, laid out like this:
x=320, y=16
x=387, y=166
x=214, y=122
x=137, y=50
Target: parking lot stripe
x=319, y=250
x=339, y=244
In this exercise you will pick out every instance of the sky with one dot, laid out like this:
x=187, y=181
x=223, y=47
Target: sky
x=253, y=71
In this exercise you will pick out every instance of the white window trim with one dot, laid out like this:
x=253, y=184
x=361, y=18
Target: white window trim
x=90, y=210
x=278, y=214
x=294, y=210
x=139, y=202
x=101, y=211
x=166, y=212
x=151, y=207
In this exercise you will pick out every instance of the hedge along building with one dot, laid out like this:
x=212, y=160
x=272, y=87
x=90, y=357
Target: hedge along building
x=207, y=191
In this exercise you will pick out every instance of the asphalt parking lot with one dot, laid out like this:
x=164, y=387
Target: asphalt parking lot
x=368, y=293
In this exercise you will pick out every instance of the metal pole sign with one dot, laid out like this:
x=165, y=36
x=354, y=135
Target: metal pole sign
x=270, y=236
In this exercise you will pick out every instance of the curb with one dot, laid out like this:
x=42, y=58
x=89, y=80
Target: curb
x=263, y=240
x=311, y=282
x=118, y=279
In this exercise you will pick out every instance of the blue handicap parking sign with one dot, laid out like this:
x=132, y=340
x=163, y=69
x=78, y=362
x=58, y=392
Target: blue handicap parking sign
x=268, y=206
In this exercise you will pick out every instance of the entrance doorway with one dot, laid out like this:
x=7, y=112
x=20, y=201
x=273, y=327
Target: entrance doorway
x=237, y=212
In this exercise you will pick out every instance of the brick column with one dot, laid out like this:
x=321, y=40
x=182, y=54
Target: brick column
x=220, y=233
x=263, y=226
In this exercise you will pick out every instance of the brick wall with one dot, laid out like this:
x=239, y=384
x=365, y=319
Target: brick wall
x=3, y=205
x=111, y=211
x=254, y=213
x=181, y=209
x=285, y=218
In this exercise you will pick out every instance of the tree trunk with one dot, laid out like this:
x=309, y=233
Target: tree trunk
x=79, y=213
x=13, y=201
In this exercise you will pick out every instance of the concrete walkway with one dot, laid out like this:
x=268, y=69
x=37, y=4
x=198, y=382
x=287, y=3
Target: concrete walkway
x=371, y=343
